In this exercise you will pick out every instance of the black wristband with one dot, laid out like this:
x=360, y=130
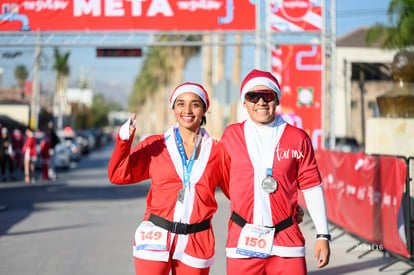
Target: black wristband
x=324, y=236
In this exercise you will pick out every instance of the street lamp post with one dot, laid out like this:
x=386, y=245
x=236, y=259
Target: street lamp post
x=34, y=107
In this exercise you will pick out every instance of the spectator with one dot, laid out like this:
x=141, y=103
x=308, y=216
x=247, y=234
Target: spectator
x=45, y=146
x=17, y=145
x=7, y=155
x=30, y=156
x=54, y=140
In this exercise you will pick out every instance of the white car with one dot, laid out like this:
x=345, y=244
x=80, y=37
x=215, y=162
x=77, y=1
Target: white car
x=62, y=156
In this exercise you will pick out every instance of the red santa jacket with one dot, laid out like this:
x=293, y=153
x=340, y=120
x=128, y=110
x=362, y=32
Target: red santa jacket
x=294, y=167
x=45, y=145
x=157, y=158
x=30, y=146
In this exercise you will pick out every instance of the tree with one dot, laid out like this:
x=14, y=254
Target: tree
x=61, y=67
x=21, y=74
x=400, y=33
x=162, y=68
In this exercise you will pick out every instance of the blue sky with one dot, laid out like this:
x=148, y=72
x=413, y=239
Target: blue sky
x=114, y=77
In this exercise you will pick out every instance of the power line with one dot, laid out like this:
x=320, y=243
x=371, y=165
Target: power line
x=360, y=13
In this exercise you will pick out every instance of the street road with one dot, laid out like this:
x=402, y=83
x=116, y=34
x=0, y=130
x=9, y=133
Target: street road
x=81, y=224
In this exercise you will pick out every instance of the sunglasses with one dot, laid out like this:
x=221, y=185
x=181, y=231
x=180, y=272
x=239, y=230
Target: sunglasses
x=254, y=96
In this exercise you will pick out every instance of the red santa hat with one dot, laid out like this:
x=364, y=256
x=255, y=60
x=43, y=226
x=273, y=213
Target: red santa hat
x=256, y=78
x=190, y=88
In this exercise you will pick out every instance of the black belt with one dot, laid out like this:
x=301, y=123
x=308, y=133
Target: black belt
x=178, y=227
x=237, y=219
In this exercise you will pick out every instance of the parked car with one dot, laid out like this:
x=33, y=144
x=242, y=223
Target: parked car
x=75, y=151
x=62, y=156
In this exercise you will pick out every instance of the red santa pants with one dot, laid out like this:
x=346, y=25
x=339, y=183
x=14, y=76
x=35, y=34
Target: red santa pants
x=272, y=265
x=148, y=267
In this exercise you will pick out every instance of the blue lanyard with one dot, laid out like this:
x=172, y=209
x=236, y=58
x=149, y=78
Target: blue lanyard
x=187, y=166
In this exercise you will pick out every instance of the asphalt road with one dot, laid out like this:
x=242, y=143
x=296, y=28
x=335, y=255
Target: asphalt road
x=81, y=224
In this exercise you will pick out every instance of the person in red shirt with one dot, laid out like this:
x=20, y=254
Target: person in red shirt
x=271, y=161
x=29, y=156
x=45, y=146
x=185, y=166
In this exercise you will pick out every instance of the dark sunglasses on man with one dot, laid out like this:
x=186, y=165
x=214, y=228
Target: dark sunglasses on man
x=254, y=96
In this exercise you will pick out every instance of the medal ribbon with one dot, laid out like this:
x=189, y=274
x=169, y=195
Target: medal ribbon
x=269, y=172
x=187, y=166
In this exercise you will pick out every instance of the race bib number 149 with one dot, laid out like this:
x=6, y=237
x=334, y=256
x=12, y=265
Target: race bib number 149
x=150, y=237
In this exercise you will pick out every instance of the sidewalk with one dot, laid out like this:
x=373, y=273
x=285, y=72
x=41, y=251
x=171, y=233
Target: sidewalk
x=350, y=256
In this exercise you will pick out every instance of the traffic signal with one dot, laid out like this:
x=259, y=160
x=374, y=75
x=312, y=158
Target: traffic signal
x=118, y=52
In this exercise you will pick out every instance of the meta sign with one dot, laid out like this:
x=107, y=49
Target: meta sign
x=107, y=15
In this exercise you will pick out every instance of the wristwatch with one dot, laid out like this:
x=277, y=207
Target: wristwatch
x=323, y=236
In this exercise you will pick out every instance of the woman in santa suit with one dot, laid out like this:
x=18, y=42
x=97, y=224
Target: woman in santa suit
x=185, y=165
x=271, y=161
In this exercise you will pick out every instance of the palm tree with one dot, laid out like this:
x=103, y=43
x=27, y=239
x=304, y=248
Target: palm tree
x=61, y=67
x=21, y=74
x=401, y=32
x=162, y=69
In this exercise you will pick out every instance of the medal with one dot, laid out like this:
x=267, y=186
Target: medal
x=181, y=195
x=269, y=185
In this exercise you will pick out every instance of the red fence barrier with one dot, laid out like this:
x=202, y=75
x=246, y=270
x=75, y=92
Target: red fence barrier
x=363, y=195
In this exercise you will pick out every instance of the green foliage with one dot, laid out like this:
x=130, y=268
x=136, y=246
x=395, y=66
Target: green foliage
x=157, y=67
x=96, y=116
x=61, y=65
x=400, y=33
x=21, y=74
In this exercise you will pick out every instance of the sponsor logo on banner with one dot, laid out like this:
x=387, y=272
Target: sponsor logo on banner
x=296, y=15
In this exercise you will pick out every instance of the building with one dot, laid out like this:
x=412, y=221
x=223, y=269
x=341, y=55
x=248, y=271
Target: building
x=362, y=74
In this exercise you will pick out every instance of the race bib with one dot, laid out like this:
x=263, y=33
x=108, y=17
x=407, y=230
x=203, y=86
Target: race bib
x=255, y=241
x=150, y=237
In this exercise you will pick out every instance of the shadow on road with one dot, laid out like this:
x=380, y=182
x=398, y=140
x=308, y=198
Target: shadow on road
x=87, y=182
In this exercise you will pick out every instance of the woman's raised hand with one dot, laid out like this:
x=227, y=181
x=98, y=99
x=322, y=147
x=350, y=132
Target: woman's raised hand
x=132, y=124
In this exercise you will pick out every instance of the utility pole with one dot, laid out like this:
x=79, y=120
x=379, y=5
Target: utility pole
x=268, y=35
x=258, y=50
x=34, y=107
x=361, y=84
x=333, y=74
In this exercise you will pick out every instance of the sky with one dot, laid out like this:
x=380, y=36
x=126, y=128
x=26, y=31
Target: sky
x=114, y=77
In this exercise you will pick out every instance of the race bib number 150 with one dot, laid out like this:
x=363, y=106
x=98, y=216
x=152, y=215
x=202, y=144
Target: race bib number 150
x=255, y=241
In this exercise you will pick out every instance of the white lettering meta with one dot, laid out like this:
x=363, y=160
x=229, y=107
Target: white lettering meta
x=160, y=6
x=83, y=7
x=116, y=8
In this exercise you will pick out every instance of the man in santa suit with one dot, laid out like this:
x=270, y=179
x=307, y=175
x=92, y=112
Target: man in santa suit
x=271, y=161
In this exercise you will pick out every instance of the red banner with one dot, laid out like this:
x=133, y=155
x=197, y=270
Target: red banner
x=299, y=71
x=363, y=195
x=296, y=15
x=106, y=15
